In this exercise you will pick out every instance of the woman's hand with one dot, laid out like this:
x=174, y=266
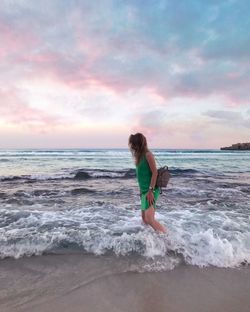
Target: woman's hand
x=150, y=198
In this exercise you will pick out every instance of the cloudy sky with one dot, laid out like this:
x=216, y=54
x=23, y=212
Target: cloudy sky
x=88, y=73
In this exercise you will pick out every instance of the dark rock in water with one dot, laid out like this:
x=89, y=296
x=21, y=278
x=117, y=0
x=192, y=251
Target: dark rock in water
x=3, y=195
x=82, y=175
x=82, y=190
x=129, y=174
x=45, y=192
x=13, y=178
x=238, y=146
x=244, y=262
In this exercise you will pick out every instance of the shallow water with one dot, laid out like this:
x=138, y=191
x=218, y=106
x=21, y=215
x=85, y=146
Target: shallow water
x=88, y=201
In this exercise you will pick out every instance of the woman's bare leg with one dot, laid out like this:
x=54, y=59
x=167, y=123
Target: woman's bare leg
x=150, y=219
x=143, y=217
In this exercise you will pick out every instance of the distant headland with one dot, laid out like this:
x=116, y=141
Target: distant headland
x=237, y=146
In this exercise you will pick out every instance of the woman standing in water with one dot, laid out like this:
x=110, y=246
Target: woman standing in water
x=146, y=173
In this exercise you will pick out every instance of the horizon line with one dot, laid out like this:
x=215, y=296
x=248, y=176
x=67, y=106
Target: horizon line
x=99, y=148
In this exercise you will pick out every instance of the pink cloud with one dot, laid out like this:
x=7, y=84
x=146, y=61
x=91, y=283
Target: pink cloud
x=14, y=40
x=15, y=111
x=120, y=62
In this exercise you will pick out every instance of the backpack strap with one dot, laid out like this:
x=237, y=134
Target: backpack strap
x=158, y=162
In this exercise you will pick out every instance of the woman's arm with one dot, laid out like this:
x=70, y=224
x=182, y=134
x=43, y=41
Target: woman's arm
x=153, y=168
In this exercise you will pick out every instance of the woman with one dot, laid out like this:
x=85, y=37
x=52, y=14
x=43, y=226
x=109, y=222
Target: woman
x=146, y=173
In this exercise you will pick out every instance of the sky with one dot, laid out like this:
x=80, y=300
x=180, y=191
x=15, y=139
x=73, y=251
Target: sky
x=87, y=74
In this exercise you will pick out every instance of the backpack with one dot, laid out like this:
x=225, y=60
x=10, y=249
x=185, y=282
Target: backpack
x=163, y=177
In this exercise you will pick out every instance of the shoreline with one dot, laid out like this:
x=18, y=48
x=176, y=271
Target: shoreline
x=84, y=282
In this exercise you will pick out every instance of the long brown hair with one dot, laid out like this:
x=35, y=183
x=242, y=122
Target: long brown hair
x=138, y=146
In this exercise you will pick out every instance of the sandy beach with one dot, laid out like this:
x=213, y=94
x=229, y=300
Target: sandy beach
x=81, y=282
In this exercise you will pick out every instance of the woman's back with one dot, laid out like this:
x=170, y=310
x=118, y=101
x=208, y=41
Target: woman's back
x=143, y=174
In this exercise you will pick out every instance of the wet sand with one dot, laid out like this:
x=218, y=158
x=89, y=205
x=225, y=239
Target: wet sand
x=77, y=282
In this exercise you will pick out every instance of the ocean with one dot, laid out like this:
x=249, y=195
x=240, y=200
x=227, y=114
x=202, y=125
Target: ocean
x=86, y=201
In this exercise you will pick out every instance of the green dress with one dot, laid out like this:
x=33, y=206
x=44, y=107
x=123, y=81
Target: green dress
x=144, y=174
